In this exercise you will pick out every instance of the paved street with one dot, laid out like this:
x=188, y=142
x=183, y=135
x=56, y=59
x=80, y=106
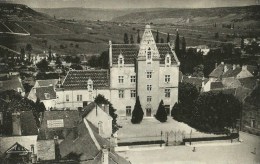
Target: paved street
x=238, y=153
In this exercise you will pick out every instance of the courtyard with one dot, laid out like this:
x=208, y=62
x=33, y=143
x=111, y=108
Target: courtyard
x=236, y=153
x=151, y=129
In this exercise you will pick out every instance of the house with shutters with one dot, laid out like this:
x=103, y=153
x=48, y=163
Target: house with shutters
x=149, y=70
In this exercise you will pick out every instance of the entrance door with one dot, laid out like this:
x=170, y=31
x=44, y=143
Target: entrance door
x=128, y=111
x=167, y=108
x=148, y=112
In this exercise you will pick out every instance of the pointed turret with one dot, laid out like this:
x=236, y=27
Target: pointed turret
x=148, y=47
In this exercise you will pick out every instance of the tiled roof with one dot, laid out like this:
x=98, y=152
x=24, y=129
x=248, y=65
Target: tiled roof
x=28, y=123
x=70, y=120
x=88, y=109
x=45, y=83
x=83, y=146
x=249, y=82
x=219, y=71
x=130, y=52
x=197, y=81
x=45, y=93
x=232, y=73
x=216, y=85
x=78, y=79
x=11, y=84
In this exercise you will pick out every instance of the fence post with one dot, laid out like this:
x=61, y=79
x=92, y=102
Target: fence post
x=161, y=139
x=190, y=135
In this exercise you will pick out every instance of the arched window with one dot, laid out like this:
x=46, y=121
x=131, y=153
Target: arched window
x=167, y=60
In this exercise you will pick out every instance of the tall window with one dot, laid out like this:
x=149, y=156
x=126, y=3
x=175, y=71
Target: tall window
x=133, y=93
x=121, y=93
x=168, y=60
x=67, y=98
x=120, y=79
x=149, y=98
x=167, y=78
x=149, y=87
x=90, y=85
x=120, y=60
x=132, y=79
x=79, y=97
x=149, y=54
x=128, y=111
x=149, y=74
x=167, y=93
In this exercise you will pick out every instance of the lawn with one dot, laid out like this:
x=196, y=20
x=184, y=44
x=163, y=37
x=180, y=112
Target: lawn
x=150, y=129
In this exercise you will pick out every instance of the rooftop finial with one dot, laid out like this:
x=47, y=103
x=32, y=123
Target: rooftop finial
x=147, y=26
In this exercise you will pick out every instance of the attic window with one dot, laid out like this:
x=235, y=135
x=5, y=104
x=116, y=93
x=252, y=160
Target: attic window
x=168, y=60
x=121, y=60
x=90, y=85
x=47, y=95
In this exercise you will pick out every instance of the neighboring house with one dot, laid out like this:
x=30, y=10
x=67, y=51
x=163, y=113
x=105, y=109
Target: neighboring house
x=24, y=136
x=199, y=82
x=80, y=87
x=44, y=90
x=12, y=83
x=89, y=147
x=148, y=70
x=204, y=49
x=99, y=116
x=47, y=95
x=55, y=126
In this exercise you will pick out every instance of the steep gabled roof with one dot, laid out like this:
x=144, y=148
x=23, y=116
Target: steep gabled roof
x=216, y=85
x=78, y=79
x=12, y=84
x=232, y=72
x=130, y=52
x=48, y=82
x=249, y=82
x=45, y=93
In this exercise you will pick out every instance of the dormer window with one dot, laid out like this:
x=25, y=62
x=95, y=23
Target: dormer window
x=121, y=60
x=90, y=85
x=168, y=60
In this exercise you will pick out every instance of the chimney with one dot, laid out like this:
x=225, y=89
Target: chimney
x=234, y=66
x=105, y=153
x=216, y=65
x=225, y=68
x=244, y=67
x=110, y=53
x=16, y=124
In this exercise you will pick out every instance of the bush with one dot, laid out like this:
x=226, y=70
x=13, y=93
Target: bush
x=138, y=114
x=161, y=114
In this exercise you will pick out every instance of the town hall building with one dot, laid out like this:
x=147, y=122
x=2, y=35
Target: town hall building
x=149, y=70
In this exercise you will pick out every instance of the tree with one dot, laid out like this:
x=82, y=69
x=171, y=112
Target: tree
x=138, y=114
x=198, y=71
x=132, y=39
x=157, y=37
x=50, y=53
x=29, y=50
x=58, y=61
x=138, y=36
x=43, y=65
x=161, y=114
x=168, y=38
x=188, y=93
x=177, y=44
x=126, y=40
x=242, y=43
x=183, y=43
x=100, y=99
x=76, y=67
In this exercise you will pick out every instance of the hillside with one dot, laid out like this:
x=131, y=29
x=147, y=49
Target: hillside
x=248, y=14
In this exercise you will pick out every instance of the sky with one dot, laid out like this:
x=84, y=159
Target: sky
x=133, y=3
